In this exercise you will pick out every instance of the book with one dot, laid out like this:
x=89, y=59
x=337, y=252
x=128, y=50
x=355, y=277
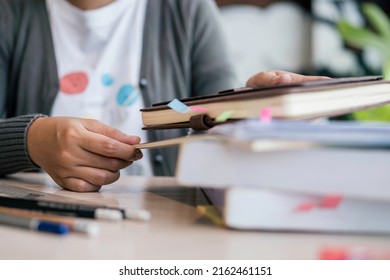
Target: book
x=336, y=182
x=301, y=156
x=267, y=209
x=299, y=101
x=312, y=158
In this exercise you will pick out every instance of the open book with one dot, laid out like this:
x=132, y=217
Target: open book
x=293, y=101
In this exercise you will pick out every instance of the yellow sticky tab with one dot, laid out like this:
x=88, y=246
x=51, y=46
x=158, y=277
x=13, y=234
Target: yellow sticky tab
x=211, y=213
x=224, y=116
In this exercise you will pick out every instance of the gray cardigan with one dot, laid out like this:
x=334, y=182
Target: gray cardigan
x=184, y=54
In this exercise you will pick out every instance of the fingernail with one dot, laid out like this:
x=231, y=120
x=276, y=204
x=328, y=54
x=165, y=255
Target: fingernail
x=138, y=155
x=285, y=78
x=136, y=139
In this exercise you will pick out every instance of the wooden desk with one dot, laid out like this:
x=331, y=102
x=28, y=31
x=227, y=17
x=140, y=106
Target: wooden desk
x=176, y=230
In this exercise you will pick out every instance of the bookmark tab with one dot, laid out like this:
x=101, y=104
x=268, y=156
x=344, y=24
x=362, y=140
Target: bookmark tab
x=330, y=201
x=354, y=253
x=329, y=253
x=306, y=206
x=265, y=115
x=198, y=109
x=224, y=116
x=179, y=106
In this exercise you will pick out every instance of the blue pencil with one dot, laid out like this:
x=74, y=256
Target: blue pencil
x=33, y=224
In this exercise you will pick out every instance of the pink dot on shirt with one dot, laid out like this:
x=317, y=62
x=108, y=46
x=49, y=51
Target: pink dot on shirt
x=74, y=83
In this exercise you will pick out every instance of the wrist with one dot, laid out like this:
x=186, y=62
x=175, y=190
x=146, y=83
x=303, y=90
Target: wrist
x=33, y=131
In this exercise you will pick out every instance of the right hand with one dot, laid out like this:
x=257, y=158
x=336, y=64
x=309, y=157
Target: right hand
x=277, y=77
x=80, y=154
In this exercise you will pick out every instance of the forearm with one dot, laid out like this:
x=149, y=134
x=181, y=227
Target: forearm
x=13, y=144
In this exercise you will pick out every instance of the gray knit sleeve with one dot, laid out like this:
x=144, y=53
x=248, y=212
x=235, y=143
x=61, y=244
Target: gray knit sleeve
x=13, y=145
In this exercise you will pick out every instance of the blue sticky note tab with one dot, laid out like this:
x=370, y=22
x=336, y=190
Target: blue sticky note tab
x=178, y=106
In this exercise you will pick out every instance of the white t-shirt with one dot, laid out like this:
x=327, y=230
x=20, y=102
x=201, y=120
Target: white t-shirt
x=98, y=55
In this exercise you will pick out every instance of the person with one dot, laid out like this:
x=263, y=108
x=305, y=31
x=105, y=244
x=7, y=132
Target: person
x=74, y=74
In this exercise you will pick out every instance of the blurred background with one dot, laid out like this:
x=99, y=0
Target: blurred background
x=298, y=36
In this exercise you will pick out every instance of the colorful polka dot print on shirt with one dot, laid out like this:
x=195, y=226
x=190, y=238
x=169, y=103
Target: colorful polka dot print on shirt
x=74, y=83
x=107, y=80
x=127, y=95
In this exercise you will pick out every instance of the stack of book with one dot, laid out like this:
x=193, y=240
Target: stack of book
x=293, y=176
x=288, y=174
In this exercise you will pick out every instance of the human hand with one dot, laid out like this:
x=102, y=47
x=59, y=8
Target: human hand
x=80, y=154
x=276, y=77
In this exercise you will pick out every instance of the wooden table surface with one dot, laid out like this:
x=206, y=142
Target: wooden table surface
x=176, y=230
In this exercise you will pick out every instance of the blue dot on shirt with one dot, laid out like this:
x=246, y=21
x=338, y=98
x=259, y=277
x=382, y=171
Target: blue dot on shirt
x=127, y=95
x=107, y=80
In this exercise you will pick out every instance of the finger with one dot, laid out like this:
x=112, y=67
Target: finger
x=89, y=159
x=295, y=78
x=109, y=147
x=93, y=177
x=101, y=128
x=109, y=164
x=268, y=78
x=78, y=185
x=262, y=79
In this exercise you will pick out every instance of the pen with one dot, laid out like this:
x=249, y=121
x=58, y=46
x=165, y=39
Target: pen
x=74, y=224
x=60, y=208
x=33, y=223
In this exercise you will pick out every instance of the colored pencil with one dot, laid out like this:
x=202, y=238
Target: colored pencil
x=74, y=224
x=33, y=224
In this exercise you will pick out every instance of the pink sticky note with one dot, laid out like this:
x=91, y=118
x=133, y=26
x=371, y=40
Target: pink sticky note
x=198, y=109
x=330, y=201
x=305, y=206
x=333, y=254
x=265, y=115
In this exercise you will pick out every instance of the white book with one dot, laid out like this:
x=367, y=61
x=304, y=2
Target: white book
x=346, y=163
x=265, y=209
x=361, y=173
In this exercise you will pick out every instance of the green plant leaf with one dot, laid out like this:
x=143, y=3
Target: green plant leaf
x=386, y=69
x=361, y=38
x=377, y=18
x=374, y=114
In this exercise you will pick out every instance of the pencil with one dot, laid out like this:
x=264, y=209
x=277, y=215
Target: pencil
x=77, y=210
x=60, y=208
x=74, y=224
x=33, y=224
